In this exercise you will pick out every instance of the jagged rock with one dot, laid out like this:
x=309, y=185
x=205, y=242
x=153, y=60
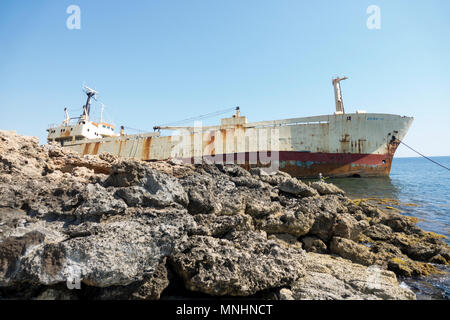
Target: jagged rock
x=134, y=196
x=258, y=172
x=297, y=188
x=331, y=278
x=240, y=266
x=378, y=232
x=150, y=288
x=246, y=181
x=220, y=226
x=326, y=188
x=290, y=222
x=98, y=201
x=353, y=251
x=20, y=155
x=269, y=176
x=345, y=226
x=233, y=171
x=399, y=223
x=200, y=193
x=285, y=294
x=163, y=190
x=11, y=251
x=286, y=240
x=420, y=248
x=115, y=253
x=314, y=244
x=259, y=207
x=222, y=229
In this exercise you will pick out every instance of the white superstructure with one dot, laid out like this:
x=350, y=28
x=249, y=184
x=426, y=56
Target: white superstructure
x=82, y=128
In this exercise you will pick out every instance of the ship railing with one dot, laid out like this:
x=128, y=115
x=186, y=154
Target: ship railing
x=289, y=124
x=293, y=121
x=262, y=124
x=72, y=122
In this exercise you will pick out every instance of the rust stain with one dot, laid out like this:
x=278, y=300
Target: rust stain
x=361, y=145
x=345, y=138
x=223, y=133
x=211, y=142
x=96, y=147
x=145, y=155
x=120, y=147
x=86, y=148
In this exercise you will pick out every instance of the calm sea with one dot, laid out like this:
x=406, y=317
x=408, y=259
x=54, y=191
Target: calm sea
x=426, y=185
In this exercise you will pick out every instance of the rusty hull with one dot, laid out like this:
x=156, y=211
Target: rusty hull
x=334, y=145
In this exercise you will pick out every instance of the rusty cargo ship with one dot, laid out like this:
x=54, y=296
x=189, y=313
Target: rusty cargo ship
x=341, y=144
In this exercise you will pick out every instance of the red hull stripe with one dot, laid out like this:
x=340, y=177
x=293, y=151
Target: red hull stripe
x=335, y=158
x=315, y=157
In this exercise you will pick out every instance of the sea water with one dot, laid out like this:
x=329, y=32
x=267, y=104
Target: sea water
x=424, y=184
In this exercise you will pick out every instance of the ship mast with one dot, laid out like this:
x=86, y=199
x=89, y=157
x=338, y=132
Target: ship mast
x=101, y=113
x=87, y=107
x=67, y=118
x=338, y=94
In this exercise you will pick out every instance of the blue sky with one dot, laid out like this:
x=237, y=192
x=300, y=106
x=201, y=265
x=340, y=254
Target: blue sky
x=159, y=61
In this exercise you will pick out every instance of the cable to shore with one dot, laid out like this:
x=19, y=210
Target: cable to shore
x=441, y=165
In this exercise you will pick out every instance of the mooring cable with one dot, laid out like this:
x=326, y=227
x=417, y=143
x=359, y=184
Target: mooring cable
x=134, y=129
x=204, y=116
x=423, y=155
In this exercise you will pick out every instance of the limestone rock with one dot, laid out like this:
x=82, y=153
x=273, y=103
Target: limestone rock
x=297, y=188
x=326, y=188
x=130, y=230
x=314, y=244
x=353, y=251
x=331, y=278
x=241, y=265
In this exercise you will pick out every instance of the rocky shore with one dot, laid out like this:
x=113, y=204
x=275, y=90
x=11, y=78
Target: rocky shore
x=165, y=230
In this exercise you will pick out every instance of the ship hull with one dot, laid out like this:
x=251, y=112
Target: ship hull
x=333, y=145
x=309, y=165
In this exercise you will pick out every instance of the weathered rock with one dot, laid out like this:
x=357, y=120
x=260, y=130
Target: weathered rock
x=223, y=231
x=379, y=232
x=98, y=201
x=314, y=244
x=242, y=265
x=150, y=288
x=285, y=294
x=290, y=222
x=11, y=251
x=399, y=223
x=164, y=189
x=353, y=251
x=345, y=226
x=115, y=253
x=297, y=188
x=331, y=278
x=259, y=207
x=326, y=188
x=286, y=240
x=220, y=226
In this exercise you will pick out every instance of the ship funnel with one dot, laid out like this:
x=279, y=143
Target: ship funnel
x=338, y=94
